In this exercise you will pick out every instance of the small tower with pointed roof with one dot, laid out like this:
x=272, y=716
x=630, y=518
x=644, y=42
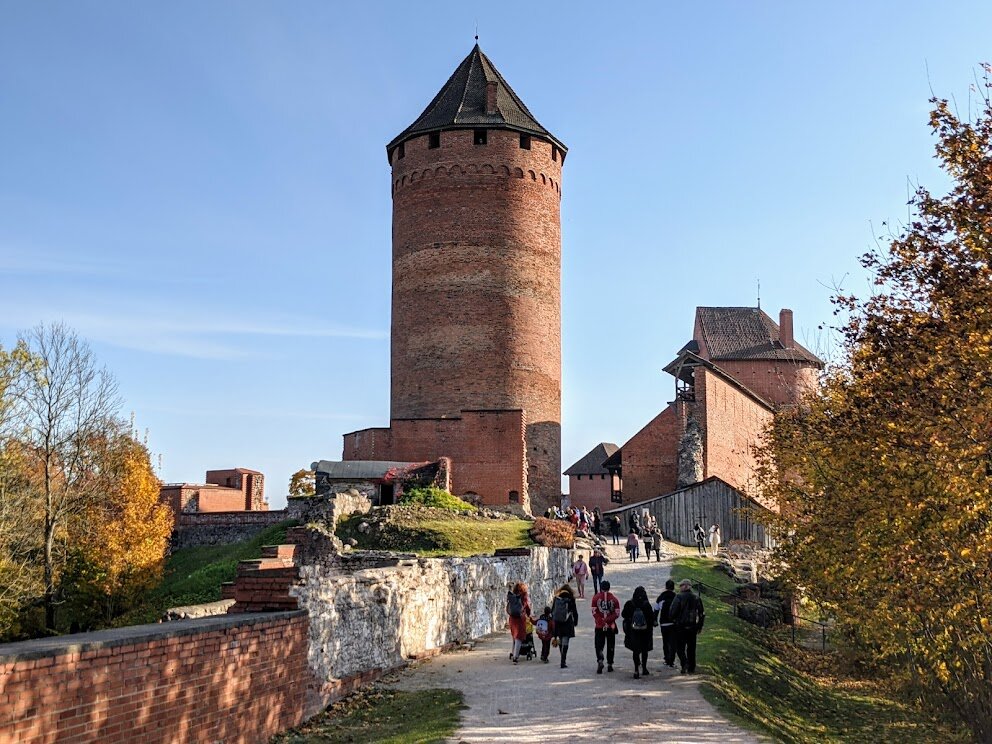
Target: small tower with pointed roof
x=476, y=304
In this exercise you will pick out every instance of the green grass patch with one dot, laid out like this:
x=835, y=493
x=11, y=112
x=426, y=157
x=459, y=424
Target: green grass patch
x=435, y=532
x=194, y=575
x=384, y=717
x=756, y=679
x=436, y=498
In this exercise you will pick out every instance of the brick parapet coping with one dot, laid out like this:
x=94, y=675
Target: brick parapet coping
x=79, y=643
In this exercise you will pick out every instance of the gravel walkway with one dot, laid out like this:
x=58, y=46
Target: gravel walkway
x=539, y=702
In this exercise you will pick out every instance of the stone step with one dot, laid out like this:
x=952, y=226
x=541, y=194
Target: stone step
x=264, y=564
x=278, y=551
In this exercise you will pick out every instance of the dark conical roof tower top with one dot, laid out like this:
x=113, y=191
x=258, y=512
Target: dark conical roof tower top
x=464, y=103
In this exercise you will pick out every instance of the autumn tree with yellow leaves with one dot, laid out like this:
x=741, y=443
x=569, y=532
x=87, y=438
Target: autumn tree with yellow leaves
x=78, y=499
x=885, y=475
x=123, y=536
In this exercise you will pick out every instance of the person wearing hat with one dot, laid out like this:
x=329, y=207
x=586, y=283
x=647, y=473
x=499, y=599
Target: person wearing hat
x=605, y=611
x=687, y=614
x=597, y=563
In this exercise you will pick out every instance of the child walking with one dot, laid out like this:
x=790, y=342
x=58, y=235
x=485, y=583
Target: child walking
x=545, y=630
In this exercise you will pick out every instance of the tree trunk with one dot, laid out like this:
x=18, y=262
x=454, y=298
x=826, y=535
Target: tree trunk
x=49, y=598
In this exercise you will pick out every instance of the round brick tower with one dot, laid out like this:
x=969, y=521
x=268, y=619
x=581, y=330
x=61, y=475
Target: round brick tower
x=476, y=306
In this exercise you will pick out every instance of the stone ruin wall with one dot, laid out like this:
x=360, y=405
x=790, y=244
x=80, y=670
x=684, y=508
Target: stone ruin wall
x=366, y=613
x=378, y=618
x=222, y=528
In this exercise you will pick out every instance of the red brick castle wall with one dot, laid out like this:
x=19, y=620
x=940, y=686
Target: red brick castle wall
x=486, y=449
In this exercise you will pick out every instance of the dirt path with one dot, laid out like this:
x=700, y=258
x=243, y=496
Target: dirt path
x=532, y=701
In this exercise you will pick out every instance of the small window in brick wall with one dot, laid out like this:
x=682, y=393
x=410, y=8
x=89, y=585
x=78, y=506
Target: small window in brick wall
x=479, y=136
x=401, y=151
x=524, y=141
x=514, y=497
x=554, y=153
x=433, y=140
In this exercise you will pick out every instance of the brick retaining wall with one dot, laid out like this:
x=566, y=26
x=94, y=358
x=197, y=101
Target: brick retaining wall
x=230, y=679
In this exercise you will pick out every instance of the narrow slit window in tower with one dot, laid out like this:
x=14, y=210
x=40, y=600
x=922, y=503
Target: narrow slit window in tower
x=524, y=141
x=479, y=136
x=554, y=153
x=401, y=151
x=433, y=140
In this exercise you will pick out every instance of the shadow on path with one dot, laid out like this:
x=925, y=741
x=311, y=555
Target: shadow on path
x=532, y=701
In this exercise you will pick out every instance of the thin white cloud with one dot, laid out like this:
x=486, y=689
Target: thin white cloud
x=255, y=414
x=163, y=333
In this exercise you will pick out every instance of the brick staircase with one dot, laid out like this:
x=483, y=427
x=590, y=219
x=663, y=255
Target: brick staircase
x=262, y=584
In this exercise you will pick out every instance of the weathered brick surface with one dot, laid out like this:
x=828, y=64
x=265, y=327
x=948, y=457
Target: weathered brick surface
x=218, y=679
x=778, y=382
x=732, y=425
x=590, y=491
x=476, y=307
x=650, y=457
x=486, y=450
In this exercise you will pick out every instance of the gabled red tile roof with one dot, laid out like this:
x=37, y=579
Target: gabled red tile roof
x=746, y=333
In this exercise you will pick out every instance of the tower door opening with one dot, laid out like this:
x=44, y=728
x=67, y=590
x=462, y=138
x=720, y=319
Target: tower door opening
x=385, y=494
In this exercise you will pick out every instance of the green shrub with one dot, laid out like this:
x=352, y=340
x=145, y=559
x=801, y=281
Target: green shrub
x=434, y=497
x=553, y=533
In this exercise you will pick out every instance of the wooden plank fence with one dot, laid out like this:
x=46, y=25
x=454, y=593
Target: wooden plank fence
x=705, y=502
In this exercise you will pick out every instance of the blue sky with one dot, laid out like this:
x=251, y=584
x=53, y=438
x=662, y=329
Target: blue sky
x=201, y=189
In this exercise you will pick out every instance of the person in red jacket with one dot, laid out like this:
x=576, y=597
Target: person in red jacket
x=605, y=611
x=518, y=613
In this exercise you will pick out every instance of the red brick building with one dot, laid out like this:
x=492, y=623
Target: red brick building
x=476, y=302
x=739, y=367
x=232, y=490
x=589, y=481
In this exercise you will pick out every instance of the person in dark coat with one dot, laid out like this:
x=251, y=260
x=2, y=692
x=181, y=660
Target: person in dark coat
x=566, y=616
x=688, y=615
x=665, y=624
x=699, y=535
x=639, y=620
x=634, y=523
x=615, y=529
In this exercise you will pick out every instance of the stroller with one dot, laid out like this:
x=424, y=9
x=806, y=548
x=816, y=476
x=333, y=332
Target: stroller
x=527, y=647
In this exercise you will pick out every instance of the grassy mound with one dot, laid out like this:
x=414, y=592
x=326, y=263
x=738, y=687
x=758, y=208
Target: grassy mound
x=433, y=532
x=790, y=693
x=384, y=716
x=435, y=498
x=194, y=575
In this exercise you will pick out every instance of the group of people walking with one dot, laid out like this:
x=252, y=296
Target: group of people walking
x=679, y=617
x=700, y=536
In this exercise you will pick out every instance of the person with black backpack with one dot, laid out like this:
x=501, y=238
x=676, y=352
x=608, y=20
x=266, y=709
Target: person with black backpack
x=665, y=623
x=518, y=613
x=565, y=615
x=688, y=615
x=638, y=634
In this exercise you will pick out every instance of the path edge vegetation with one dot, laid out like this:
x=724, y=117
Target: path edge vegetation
x=884, y=474
x=753, y=677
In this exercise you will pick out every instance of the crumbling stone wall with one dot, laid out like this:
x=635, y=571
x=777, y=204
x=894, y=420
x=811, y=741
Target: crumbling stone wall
x=376, y=619
x=327, y=509
x=222, y=528
x=690, y=456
